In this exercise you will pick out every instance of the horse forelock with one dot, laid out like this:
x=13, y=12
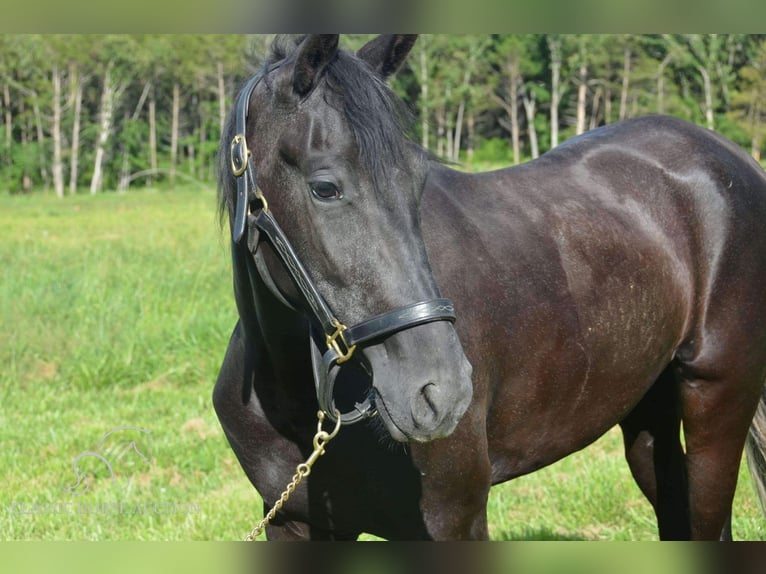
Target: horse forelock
x=380, y=122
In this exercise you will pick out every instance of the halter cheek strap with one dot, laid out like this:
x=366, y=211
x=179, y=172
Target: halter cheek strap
x=241, y=163
x=340, y=341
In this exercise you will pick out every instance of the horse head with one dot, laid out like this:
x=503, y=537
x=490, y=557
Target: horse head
x=327, y=140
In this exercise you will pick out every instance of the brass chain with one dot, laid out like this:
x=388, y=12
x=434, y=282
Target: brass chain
x=321, y=438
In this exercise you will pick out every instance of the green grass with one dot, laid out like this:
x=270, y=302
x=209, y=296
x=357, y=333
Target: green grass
x=116, y=311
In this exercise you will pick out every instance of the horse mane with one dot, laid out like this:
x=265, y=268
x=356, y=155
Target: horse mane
x=380, y=122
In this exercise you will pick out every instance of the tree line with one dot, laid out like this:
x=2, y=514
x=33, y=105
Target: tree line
x=91, y=113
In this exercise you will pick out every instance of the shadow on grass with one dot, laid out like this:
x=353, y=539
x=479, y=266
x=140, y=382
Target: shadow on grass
x=542, y=534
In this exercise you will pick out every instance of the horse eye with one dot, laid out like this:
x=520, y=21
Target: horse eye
x=325, y=190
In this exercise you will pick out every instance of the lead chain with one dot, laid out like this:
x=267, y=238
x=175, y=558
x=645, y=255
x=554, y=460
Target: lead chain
x=321, y=438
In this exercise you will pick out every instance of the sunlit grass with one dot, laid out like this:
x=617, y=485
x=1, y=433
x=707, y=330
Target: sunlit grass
x=116, y=311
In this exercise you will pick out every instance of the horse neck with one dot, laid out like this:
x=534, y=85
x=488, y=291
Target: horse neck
x=445, y=184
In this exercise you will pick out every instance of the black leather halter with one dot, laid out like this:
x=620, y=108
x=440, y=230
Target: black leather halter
x=341, y=341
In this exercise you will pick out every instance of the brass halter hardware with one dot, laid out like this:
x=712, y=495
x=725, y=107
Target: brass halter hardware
x=262, y=198
x=321, y=438
x=332, y=342
x=239, y=155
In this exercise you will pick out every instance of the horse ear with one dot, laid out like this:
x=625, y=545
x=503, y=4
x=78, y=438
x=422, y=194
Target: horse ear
x=387, y=52
x=314, y=54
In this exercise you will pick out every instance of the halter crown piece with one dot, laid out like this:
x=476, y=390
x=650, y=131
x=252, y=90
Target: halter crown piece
x=341, y=341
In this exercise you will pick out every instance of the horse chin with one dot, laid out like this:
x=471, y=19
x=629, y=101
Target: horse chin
x=403, y=428
x=391, y=427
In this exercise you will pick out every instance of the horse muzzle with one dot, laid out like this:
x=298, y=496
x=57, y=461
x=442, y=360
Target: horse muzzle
x=336, y=361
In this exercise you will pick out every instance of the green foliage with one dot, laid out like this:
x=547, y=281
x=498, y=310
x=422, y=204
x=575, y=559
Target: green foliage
x=749, y=103
x=735, y=130
x=23, y=166
x=493, y=150
x=460, y=88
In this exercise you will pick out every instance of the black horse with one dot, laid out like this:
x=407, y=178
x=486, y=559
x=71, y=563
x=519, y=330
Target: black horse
x=618, y=279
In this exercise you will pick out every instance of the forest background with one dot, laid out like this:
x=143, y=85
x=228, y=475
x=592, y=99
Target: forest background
x=95, y=113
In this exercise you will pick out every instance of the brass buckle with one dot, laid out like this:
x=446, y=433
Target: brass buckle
x=332, y=342
x=262, y=198
x=239, y=147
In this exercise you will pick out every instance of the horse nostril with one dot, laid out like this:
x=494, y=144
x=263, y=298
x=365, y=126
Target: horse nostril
x=426, y=413
x=427, y=391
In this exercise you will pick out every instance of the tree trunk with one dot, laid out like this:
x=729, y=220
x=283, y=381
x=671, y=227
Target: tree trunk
x=625, y=83
x=124, y=180
x=174, y=133
x=440, y=125
x=424, y=104
x=594, y=108
x=23, y=123
x=8, y=117
x=661, y=84
x=75, y=148
x=221, y=96
x=708, y=96
x=511, y=105
x=125, y=168
x=152, y=136
x=461, y=111
x=582, y=93
x=202, y=138
x=553, y=45
x=513, y=111
x=141, y=100
x=58, y=168
x=40, y=141
x=26, y=180
x=471, y=127
x=193, y=159
x=190, y=151
x=530, y=106
x=725, y=91
x=105, y=128
x=458, y=131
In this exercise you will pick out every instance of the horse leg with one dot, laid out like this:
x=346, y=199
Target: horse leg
x=293, y=530
x=716, y=413
x=455, y=509
x=655, y=456
x=726, y=532
x=456, y=479
x=266, y=457
x=286, y=530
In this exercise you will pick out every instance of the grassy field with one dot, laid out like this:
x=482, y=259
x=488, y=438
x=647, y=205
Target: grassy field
x=115, y=313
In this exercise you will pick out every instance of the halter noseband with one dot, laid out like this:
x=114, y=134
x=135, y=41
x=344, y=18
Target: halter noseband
x=341, y=341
